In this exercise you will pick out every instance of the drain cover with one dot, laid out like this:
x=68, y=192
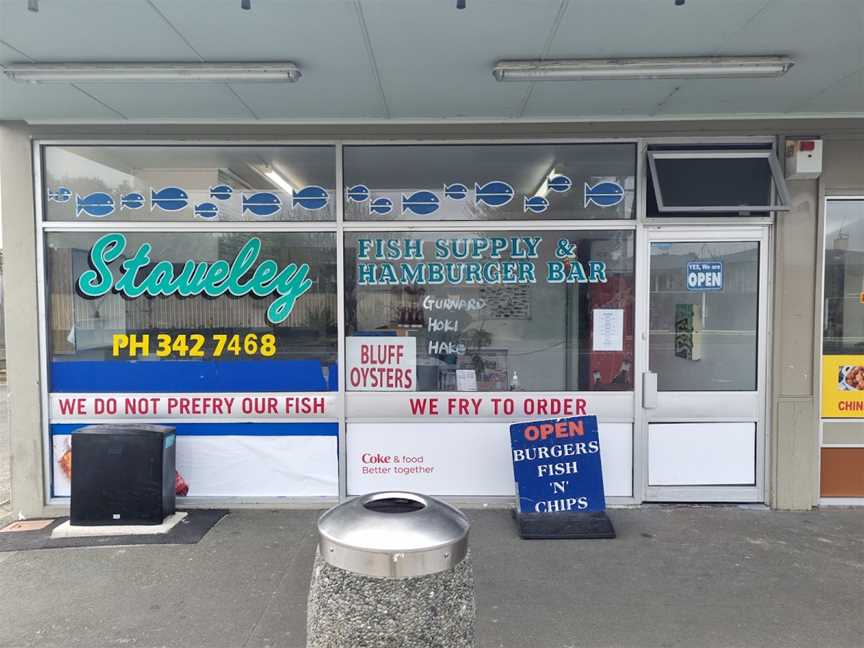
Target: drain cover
x=25, y=525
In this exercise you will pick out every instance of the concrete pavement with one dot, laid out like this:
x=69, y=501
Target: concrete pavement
x=675, y=577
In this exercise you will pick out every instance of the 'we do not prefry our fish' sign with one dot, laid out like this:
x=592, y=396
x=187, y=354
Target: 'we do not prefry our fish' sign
x=556, y=464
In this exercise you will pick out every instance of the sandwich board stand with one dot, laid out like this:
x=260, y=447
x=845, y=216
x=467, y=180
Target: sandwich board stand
x=559, y=480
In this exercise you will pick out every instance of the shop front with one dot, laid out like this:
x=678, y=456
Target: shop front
x=841, y=438
x=325, y=319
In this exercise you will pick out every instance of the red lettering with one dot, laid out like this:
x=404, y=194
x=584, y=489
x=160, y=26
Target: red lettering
x=376, y=458
x=71, y=406
x=423, y=406
x=381, y=354
x=850, y=406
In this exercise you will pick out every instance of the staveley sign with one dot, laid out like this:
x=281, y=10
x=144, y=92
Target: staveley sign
x=195, y=277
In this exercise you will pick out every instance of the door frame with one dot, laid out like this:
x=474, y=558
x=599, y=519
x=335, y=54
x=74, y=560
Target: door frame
x=671, y=233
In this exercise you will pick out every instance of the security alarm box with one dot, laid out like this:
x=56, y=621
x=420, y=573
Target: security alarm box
x=122, y=474
x=803, y=159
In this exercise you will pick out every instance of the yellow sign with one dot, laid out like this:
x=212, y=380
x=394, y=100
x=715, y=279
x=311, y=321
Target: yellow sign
x=843, y=386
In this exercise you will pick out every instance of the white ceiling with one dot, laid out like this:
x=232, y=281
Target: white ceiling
x=425, y=60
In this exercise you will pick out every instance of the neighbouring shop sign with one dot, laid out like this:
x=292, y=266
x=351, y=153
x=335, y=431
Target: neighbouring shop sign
x=843, y=386
x=556, y=464
x=387, y=363
x=705, y=276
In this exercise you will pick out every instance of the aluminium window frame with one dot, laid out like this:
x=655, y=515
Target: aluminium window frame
x=779, y=187
x=641, y=225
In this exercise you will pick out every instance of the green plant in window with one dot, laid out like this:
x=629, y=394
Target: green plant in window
x=476, y=340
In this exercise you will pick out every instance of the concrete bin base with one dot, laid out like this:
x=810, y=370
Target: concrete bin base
x=348, y=610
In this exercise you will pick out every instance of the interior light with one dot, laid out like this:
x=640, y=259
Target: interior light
x=543, y=189
x=274, y=176
x=643, y=68
x=153, y=72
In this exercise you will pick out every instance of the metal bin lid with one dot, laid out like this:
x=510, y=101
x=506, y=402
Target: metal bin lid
x=393, y=534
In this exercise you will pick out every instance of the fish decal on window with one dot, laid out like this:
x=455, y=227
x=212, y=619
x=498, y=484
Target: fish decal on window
x=494, y=193
x=603, y=194
x=97, y=204
x=358, y=193
x=221, y=192
x=559, y=183
x=207, y=210
x=133, y=200
x=169, y=199
x=535, y=204
x=61, y=195
x=311, y=198
x=260, y=204
x=456, y=191
x=421, y=203
x=381, y=206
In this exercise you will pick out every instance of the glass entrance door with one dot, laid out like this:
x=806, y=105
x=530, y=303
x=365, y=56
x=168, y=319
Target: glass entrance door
x=704, y=392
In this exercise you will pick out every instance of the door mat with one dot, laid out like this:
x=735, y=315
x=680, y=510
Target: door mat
x=189, y=530
x=564, y=526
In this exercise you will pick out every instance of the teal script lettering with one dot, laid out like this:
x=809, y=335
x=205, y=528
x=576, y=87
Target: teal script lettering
x=194, y=278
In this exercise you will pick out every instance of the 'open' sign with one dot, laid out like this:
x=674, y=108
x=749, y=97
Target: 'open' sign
x=704, y=275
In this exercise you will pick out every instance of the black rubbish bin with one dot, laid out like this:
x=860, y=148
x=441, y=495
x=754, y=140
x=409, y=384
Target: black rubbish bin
x=122, y=474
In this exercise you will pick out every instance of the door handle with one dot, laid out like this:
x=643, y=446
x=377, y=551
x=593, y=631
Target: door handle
x=649, y=390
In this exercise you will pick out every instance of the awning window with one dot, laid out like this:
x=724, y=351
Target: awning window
x=727, y=180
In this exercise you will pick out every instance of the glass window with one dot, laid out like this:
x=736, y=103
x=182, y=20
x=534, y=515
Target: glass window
x=191, y=311
x=498, y=311
x=723, y=180
x=490, y=182
x=704, y=304
x=189, y=183
x=843, y=327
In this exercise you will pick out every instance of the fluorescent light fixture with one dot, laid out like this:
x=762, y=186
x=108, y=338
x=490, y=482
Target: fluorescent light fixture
x=643, y=68
x=276, y=178
x=153, y=72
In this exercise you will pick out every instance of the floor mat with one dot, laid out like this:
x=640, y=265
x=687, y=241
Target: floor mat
x=190, y=530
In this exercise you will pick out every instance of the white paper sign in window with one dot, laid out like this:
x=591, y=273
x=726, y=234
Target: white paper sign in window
x=608, y=329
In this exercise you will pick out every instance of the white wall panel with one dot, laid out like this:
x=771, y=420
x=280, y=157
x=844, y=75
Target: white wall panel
x=701, y=454
x=462, y=459
x=243, y=466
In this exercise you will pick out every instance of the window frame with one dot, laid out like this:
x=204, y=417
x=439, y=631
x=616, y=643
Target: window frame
x=607, y=409
x=779, y=188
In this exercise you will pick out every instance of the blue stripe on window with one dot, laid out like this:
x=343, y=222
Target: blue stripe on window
x=183, y=376
x=228, y=429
